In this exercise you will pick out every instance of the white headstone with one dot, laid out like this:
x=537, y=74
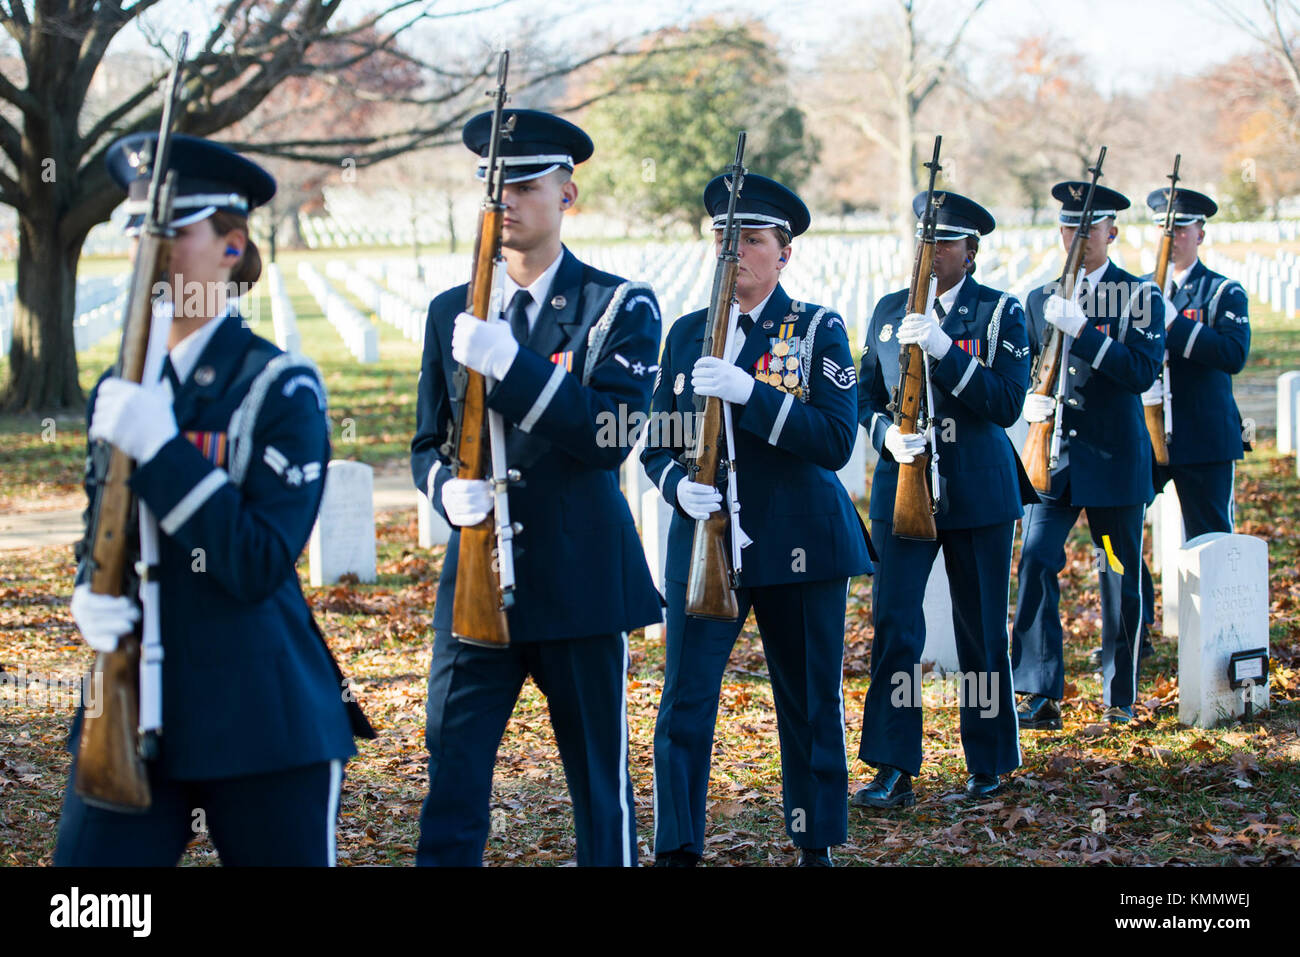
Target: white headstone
x=1167, y=537
x=1223, y=605
x=940, y=639
x=433, y=528
x=854, y=474
x=656, y=516
x=343, y=539
x=1288, y=387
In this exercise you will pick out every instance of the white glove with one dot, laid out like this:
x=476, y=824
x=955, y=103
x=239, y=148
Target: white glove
x=696, y=500
x=1156, y=394
x=904, y=448
x=137, y=420
x=486, y=347
x=720, y=378
x=924, y=331
x=103, y=619
x=1038, y=408
x=1065, y=314
x=466, y=501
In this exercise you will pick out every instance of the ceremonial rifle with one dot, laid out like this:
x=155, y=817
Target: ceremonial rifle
x=1160, y=418
x=916, y=494
x=1043, y=444
x=485, y=569
x=113, y=748
x=713, y=577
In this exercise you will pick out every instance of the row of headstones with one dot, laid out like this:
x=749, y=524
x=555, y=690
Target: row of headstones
x=1275, y=280
x=284, y=321
x=357, y=332
x=1288, y=414
x=97, y=313
x=389, y=307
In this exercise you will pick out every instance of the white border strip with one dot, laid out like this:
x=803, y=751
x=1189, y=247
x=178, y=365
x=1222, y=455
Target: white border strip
x=970, y=371
x=780, y=419
x=1101, y=351
x=193, y=501
x=1187, y=349
x=548, y=393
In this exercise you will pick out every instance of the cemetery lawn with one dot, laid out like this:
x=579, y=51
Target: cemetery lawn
x=1165, y=794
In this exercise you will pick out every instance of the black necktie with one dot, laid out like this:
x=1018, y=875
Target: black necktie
x=169, y=373
x=1085, y=288
x=517, y=314
x=746, y=323
x=938, y=309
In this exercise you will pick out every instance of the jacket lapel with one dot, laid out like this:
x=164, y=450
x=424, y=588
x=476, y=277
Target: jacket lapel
x=1184, y=294
x=218, y=362
x=759, y=339
x=556, y=324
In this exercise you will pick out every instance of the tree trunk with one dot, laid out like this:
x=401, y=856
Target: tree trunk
x=43, y=355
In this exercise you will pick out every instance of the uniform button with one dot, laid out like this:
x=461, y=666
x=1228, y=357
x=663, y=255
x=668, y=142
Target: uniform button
x=1073, y=433
x=1072, y=401
x=1073, y=370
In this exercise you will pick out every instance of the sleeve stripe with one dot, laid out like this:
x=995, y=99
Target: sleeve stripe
x=429, y=485
x=970, y=371
x=193, y=501
x=780, y=419
x=548, y=393
x=1105, y=344
x=663, y=477
x=1187, y=349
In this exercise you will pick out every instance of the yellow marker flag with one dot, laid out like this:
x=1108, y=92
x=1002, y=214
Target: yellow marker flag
x=1115, y=563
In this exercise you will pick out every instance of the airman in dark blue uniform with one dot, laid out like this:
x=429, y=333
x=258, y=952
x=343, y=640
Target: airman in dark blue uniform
x=792, y=386
x=1114, y=340
x=231, y=446
x=975, y=339
x=576, y=357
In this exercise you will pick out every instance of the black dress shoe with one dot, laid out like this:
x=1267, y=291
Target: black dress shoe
x=892, y=787
x=983, y=785
x=1039, y=713
x=1145, y=651
x=678, y=858
x=815, y=857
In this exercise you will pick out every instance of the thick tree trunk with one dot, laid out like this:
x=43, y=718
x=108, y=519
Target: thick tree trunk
x=43, y=354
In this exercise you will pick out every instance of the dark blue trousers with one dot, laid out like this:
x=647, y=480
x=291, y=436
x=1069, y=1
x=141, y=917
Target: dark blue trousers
x=1205, y=499
x=281, y=819
x=472, y=692
x=802, y=627
x=1037, y=648
x=978, y=562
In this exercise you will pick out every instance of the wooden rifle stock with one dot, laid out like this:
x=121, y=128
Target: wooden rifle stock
x=111, y=771
x=1037, y=452
x=711, y=580
x=914, y=503
x=477, y=613
x=1157, y=428
x=479, y=604
x=708, y=585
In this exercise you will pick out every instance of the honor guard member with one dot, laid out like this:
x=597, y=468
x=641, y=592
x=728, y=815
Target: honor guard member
x=1115, y=336
x=577, y=346
x=975, y=339
x=231, y=444
x=1207, y=339
x=792, y=386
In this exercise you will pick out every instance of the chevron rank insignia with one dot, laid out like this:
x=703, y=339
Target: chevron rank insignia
x=293, y=475
x=1017, y=352
x=844, y=377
